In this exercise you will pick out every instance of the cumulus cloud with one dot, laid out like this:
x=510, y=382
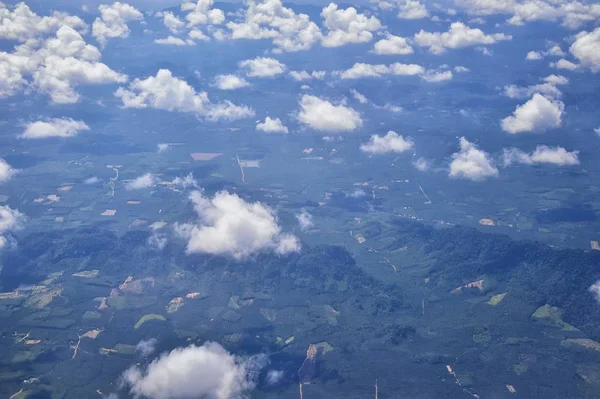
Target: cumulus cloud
x=272, y=126
x=174, y=41
x=534, y=56
x=359, y=97
x=231, y=226
x=157, y=241
x=274, y=377
x=391, y=142
x=536, y=115
x=305, y=220
x=458, y=36
x=146, y=347
x=421, y=164
x=262, y=67
x=394, y=45
x=201, y=12
x=347, y=26
x=304, y=75
x=206, y=371
x=188, y=181
x=57, y=127
x=471, y=163
x=92, y=180
x=586, y=48
x=113, y=21
x=548, y=88
x=10, y=220
x=437, y=76
x=595, y=290
x=172, y=22
x=412, y=9
x=6, y=171
x=320, y=114
x=564, y=64
x=167, y=92
x=144, y=181
x=230, y=82
x=362, y=70
x=572, y=13
x=54, y=66
x=542, y=154
x=269, y=19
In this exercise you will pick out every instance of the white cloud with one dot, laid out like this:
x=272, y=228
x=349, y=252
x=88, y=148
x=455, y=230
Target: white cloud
x=548, y=88
x=57, y=127
x=6, y=171
x=542, y=154
x=595, y=290
x=362, y=70
x=166, y=92
x=146, y=347
x=188, y=181
x=162, y=147
x=230, y=82
x=269, y=19
x=556, y=51
x=391, y=142
x=461, y=69
x=274, y=377
x=458, y=36
x=347, y=26
x=262, y=67
x=471, y=163
x=359, y=97
x=412, y=9
x=206, y=371
x=172, y=22
x=305, y=220
x=157, y=241
x=564, y=64
x=323, y=115
x=421, y=164
x=395, y=45
x=304, y=75
x=597, y=131
x=10, y=220
x=174, y=41
x=92, y=180
x=586, y=48
x=22, y=24
x=55, y=65
x=437, y=76
x=534, y=56
x=144, y=181
x=536, y=115
x=202, y=13
x=229, y=225
x=272, y=126
x=197, y=34
x=113, y=21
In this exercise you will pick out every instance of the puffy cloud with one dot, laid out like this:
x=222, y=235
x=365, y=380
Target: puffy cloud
x=262, y=67
x=359, y=97
x=534, y=56
x=347, y=26
x=572, y=13
x=597, y=131
x=6, y=171
x=144, y=181
x=471, y=163
x=202, y=13
x=536, y=115
x=437, y=76
x=274, y=377
x=22, y=24
x=166, y=92
x=304, y=75
x=595, y=290
x=305, y=220
x=362, y=70
x=146, y=347
x=55, y=65
x=157, y=241
x=320, y=114
x=542, y=154
x=92, y=180
x=461, y=69
x=57, y=127
x=272, y=126
x=172, y=22
x=269, y=19
x=395, y=45
x=113, y=21
x=412, y=9
x=162, y=147
x=564, y=64
x=206, y=371
x=231, y=226
x=188, y=181
x=230, y=82
x=197, y=34
x=458, y=36
x=548, y=88
x=391, y=142
x=174, y=41
x=10, y=220
x=421, y=164
x=586, y=48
